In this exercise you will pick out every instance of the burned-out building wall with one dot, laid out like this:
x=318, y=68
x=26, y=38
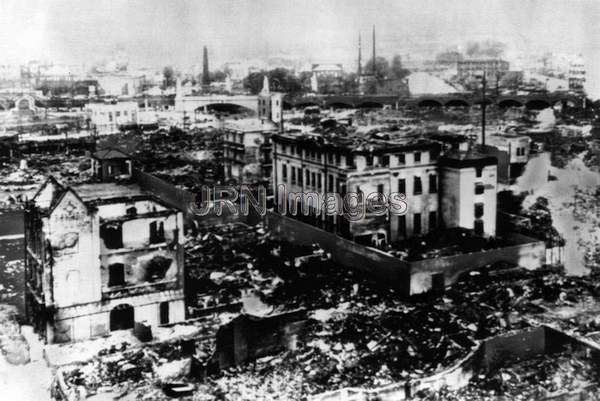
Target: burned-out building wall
x=108, y=255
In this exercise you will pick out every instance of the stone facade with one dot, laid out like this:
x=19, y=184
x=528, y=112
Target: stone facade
x=100, y=257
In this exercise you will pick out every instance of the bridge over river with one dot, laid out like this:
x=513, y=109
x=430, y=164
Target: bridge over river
x=534, y=101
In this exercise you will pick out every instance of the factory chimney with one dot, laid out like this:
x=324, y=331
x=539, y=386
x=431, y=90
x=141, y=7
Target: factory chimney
x=374, y=50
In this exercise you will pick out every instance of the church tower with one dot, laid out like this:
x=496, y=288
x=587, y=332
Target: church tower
x=270, y=104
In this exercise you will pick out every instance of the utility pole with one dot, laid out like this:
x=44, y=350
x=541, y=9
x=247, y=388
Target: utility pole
x=483, y=106
x=497, y=84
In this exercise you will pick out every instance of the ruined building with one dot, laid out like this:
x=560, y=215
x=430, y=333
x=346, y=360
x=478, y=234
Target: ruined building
x=101, y=256
x=452, y=188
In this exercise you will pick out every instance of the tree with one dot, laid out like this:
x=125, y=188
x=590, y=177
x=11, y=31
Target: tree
x=511, y=80
x=350, y=83
x=396, y=69
x=304, y=78
x=280, y=79
x=283, y=80
x=382, y=68
x=488, y=48
x=218, y=76
x=168, y=77
x=329, y=85
x=254, y=81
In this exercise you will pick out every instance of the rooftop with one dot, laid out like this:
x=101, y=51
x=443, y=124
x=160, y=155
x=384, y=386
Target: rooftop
x=469, y=158
x=354, y=142
x=110, y=154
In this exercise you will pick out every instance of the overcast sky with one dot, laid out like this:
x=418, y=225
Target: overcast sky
x=159, y=32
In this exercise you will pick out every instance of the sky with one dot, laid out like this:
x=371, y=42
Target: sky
x=160, y=32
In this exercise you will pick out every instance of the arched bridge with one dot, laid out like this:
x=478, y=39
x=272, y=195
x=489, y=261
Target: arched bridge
x=190, y=104
x=531, y=101
x=536, y=101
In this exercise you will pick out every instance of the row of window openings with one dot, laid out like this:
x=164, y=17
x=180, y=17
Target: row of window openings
x=417, y=185
x=417, y=223
x=118, y=114
x=315, y=179
x=239, y=138
x=116, y=275
x=122, y=317
x=316, y=155
x=264, y=102
x=311, y=179
x=432, y=221
x=383, y=161
x=113, y=234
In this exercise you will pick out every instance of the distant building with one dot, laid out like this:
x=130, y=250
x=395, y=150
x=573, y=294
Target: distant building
x=107, y=118
x=101, y=257
x=327, y=70
x=577, y=75
x=475, y=67
x=247, y=145
x=111, y=163
x=247, y=150
x=512, y=152
x=119, y=83
x=455, y=189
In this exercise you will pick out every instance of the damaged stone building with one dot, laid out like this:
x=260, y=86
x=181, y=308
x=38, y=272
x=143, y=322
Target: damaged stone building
x=453, y=188
x=101, y=257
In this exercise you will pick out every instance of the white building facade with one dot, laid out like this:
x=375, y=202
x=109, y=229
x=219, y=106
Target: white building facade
x=101, y=257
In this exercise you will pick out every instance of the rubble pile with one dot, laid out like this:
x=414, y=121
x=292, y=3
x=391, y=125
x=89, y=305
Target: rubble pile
x=263, y=380
x=171, y=157
x=221, y=264
x=586, y=213
x=371, y=337
x=533, y=379
x=364, y=335
x=140, y=372
x=13, y=345
x=359, y=334
x=17, y=183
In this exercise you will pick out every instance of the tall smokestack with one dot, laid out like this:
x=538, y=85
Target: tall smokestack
x=205, y=72
x=359, y=56
x=483, y=106
x=374, y=50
